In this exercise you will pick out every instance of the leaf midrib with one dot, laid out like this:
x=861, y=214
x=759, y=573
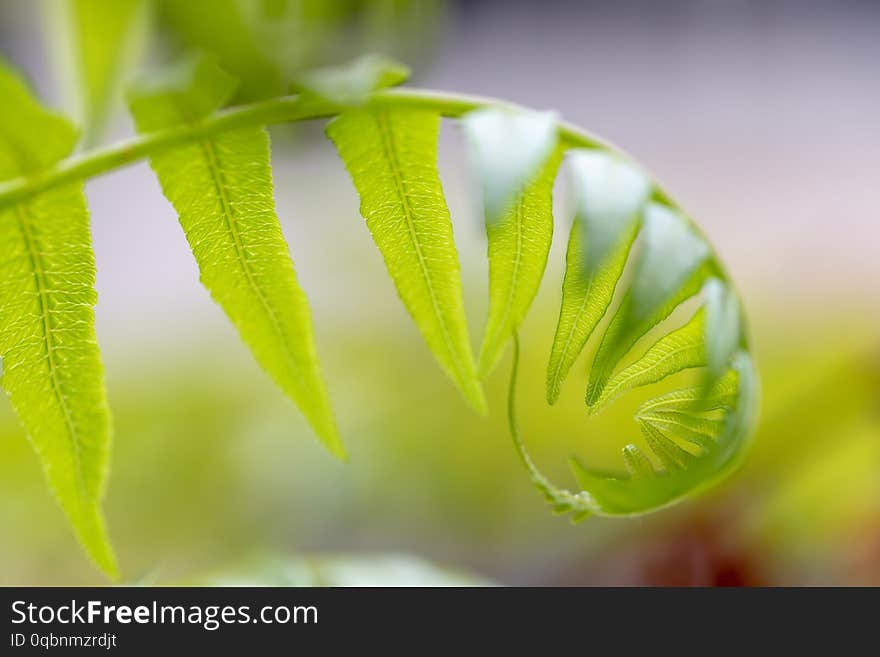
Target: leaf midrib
x=514, y=274
x=42, y=299
x=389, y=149
x=229, y=217
x=555, y=383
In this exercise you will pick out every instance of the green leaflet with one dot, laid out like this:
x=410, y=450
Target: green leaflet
x=222, y=190
x=681, y=349
x=52, y=367
x=391, y=155
x=610, y=198
x=95, y=41
x=671, y=268
x=516, y=156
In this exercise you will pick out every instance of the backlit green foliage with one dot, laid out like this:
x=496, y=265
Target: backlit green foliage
x=632, y=255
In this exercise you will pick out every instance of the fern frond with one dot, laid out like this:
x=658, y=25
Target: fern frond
x=213, y=165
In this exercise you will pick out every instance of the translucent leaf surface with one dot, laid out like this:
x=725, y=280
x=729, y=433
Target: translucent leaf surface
x=392, y=158
x=353, y=83
x=222, y=190
x=52, y=368
x=516, y=157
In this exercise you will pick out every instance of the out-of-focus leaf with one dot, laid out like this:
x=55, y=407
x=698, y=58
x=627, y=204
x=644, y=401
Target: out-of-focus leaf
x=676, y=351
x=221, y=27
x=52, y=368
x=392, y=158
x=353, y=83
x=95, y=42
x=222, y=189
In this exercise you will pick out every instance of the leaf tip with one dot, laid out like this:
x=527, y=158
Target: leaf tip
x=476, y=398
x=327, y=432
x=91, y=531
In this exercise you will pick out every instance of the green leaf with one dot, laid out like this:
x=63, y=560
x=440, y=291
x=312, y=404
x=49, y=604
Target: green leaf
x=95, y=42
x=516, y=157
x=52, y=367
x=610, y=197
x=681, y=349
x=222, y=190
x=353, y=83
x=391, y=155
x=672, y=267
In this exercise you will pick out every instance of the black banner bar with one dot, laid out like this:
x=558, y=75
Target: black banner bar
x=137, y=620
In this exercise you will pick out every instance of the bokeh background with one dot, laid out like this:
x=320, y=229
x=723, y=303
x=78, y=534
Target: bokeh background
x=761, y=117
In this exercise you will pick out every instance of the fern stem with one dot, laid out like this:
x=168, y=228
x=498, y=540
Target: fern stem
x=563, y=501
x=285, y=109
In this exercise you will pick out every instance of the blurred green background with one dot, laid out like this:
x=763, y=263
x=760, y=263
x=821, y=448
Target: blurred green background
x=215, y=474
